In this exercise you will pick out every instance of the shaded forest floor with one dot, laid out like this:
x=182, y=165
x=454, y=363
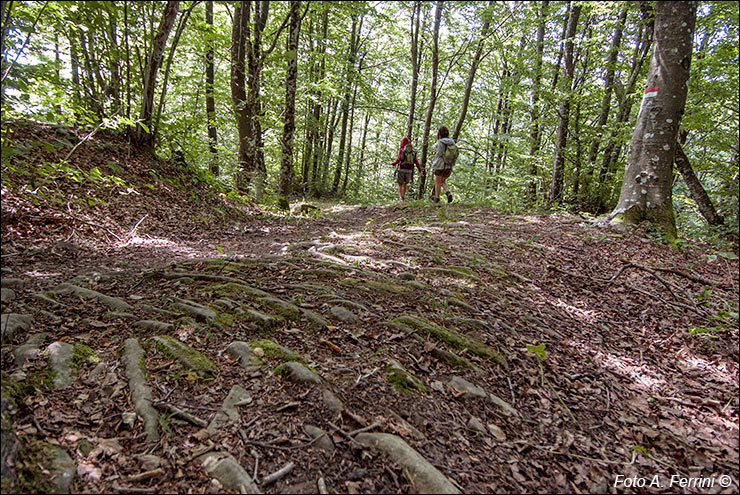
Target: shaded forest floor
x=510, y=353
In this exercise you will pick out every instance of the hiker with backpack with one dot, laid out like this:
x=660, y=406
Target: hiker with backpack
x=445, y=155
x=405, y=166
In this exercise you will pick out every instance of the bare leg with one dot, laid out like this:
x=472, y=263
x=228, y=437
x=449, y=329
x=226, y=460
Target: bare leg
x=402, y=190
x=437, y=184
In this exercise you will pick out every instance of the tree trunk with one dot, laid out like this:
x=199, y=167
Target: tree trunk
x=611, y=150
x=348, y=80
x=361, y=166
x=128, y=59
x=415, y=63
x=210, y=101
x=291, y=77
x=349, y=141
x=432, y=100
x=556, y=189
x=181, y=25
x=696, y=190
x=471, y=76
x=239, y=91
x=647, y=187
x=534, y=133
x=608, y=89
x=154, y=61
x=114, y=64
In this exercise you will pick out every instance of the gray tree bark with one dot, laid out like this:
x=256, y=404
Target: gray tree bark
x=534, y=132
x=558, y=169
x=291, y=77
x=154, y=62
x=210, y=101
x=432, y=100
x=646, y=192
x=471, y=76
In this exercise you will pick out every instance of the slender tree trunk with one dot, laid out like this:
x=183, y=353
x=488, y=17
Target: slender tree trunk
x=647, y=187
x=348, y=82
x=154, y=61
x=361, y=165
x=577, y=158
x=534, y=133
x=471, y=76
x=432, y=99
x=696, y=190
x=291, y=77
x=329, y=143
x=128, y=59
x=181, y=25
x=210, y=101
x=349, y=141
x=611, y=150
x=415, y=63
x=115, y=67
x=74, y=59
x=6, y=7
x=608, y=90
x=556, y=189
x=239, y=90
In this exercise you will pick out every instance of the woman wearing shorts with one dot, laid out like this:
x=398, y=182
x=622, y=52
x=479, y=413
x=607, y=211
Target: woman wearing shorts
x=440, y=170
x=405, y=161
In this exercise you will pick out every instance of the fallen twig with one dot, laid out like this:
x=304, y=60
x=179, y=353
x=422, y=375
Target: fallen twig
x=69, y=210
x=693, y=277
x=363, y=430
x=271, y=478
x=131, y=234
x=145, y=475
x=176, y=411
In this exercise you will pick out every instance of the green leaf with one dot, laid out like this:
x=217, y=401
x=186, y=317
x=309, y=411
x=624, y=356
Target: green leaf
x=537, y=350
x=729, y=256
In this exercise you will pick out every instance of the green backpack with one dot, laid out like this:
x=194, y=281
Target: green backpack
x=450, y=155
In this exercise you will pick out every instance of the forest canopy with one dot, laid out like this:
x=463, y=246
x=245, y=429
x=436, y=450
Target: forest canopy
x=311, y=99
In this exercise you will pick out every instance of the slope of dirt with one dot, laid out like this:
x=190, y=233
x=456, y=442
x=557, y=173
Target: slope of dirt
x=509, y=353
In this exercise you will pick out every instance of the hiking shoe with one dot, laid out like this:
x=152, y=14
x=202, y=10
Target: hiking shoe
x=436, y=200
x=449, y=197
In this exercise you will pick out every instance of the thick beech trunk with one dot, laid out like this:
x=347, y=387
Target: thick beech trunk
x=648, y=178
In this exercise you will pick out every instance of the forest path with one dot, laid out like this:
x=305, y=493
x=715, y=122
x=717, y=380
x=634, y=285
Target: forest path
x=378, y=349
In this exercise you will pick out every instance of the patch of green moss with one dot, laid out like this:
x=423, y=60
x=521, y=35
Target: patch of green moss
x=280, y=307
x=277, y=351
x=33, y=383
x=189, y=357
x=34, y=459
x=454, y=301
x=403, y=381
x=449, y=337
x=82, y=354
x=84, y=447
x=225, y=319
x=237, y=291
x=222, y=266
